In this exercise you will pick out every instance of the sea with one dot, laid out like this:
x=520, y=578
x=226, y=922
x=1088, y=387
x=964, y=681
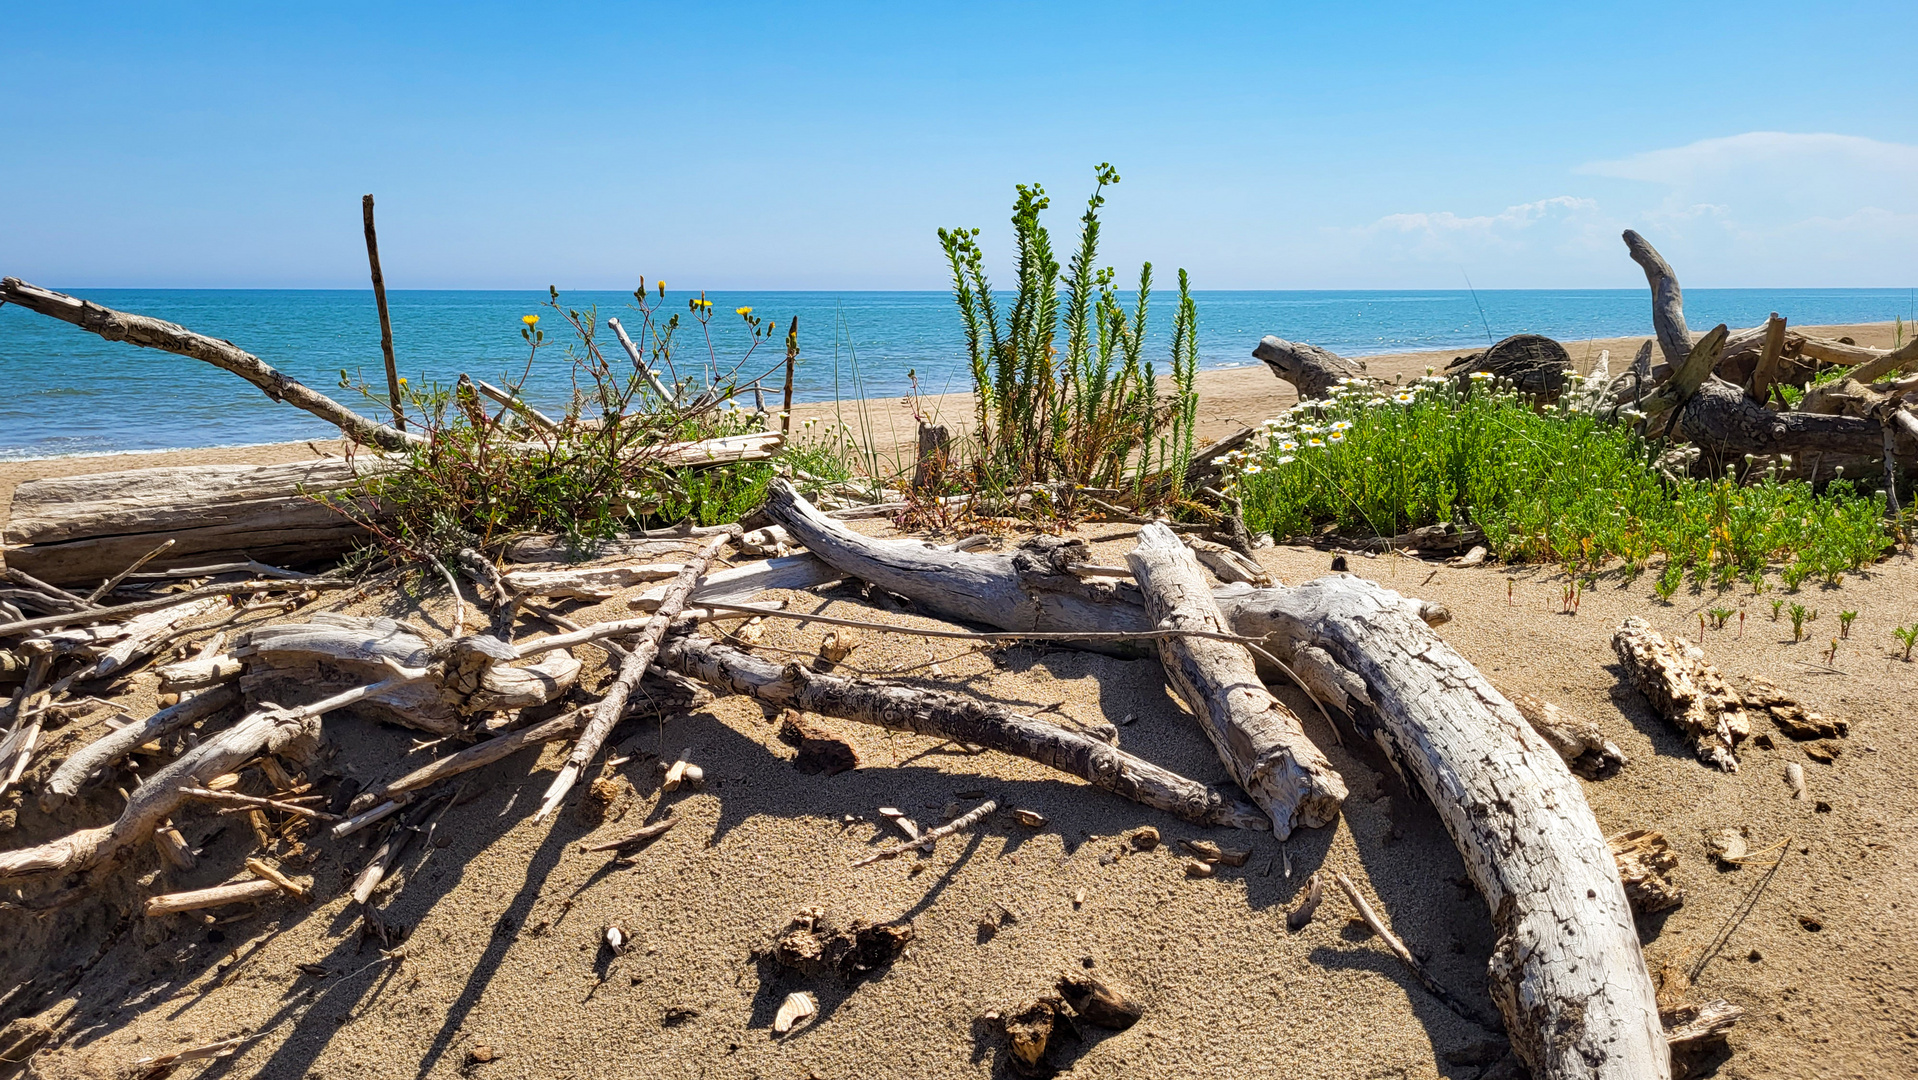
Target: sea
x=69, y=392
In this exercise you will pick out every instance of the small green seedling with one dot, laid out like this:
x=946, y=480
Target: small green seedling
x=1844, y=623
x=1798, y=614
x=1907, y=636
x=1775, y=606
x=1720, y=616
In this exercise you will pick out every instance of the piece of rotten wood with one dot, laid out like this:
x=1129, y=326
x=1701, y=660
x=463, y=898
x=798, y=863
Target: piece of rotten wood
x=1260, y=741
x=1585, y=749
x=1673, y=676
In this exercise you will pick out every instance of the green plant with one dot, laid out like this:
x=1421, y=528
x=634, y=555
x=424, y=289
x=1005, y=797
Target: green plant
x=615, y=457
x=1775, y=606
x=1844, y=623
x=1720, y=616
x=1798, y=614
x=1091, y=415
x=1796, y=573
x=1907, y=636
x=1544, y=485
x=1756, y=579
x=1669, y=580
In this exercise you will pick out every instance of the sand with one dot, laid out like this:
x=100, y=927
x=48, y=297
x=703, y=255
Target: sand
x=504, y=917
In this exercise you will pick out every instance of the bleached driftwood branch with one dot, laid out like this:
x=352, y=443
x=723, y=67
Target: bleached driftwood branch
x=153, y=333
x=1261, y=741
x=960, y=719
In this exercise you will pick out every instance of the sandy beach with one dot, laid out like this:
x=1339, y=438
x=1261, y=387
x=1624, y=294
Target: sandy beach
x=500, y=972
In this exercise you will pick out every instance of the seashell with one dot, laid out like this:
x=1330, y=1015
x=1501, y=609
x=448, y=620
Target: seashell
x=797, y=1006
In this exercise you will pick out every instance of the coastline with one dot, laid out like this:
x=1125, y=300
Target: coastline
x=1229, y=398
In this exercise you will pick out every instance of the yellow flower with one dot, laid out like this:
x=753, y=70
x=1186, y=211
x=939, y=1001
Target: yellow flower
x=402, y=380
x=529, y=319
x=742, y=311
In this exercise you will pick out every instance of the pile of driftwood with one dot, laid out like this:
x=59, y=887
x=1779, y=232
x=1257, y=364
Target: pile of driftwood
x=1568, y=977
x=1719, y=395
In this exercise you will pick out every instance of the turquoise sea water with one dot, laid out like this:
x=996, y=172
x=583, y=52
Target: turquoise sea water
x=68, y=392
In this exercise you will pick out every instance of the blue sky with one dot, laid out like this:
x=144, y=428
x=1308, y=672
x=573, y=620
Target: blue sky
x=817, y=146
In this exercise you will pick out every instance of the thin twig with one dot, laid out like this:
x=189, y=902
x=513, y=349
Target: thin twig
x=92, y=616
x=1406, y=958
x=459, y=603
x=113, y=582
x=927, y=840
x=237, y=799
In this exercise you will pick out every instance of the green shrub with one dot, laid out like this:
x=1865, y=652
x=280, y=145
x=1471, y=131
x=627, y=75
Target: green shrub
x=1545, y=485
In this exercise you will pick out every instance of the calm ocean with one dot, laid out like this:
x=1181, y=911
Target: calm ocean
x=69, y=392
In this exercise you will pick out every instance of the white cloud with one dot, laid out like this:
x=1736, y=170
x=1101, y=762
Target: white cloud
x=1762, y=208
x=1821, y=157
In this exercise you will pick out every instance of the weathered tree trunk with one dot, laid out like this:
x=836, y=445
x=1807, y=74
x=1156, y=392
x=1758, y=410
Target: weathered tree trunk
x=1311, y=370
x=84, y=529
x=152, y=333
x=1568, y=974
x=1722, y=420
x=1260, y=740
x=961, y=719
x=1533, y=364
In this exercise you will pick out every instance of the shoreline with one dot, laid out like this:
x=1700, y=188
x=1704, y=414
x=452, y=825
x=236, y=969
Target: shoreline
x=1229, y=398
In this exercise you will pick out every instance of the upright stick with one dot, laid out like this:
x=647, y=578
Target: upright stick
x=792, y=359
x=386, y=323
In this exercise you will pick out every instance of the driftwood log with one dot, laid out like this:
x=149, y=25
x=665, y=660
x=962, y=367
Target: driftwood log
x=958, y=718
x=1535, y=365
x=90, y=761
x=1568, y=975
x=83, y=529
x=1720, y=417
x=1261, y=741
x=1311, y=370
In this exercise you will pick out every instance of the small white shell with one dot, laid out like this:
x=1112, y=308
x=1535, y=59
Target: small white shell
x=796, y=1007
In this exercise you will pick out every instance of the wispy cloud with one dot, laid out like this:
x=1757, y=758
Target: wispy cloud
x=1763, y=207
